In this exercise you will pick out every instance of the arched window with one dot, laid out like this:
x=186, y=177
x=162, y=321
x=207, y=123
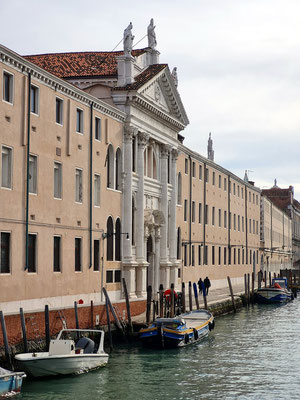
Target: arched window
x=110, y=166
x=118, y=169
x=118, y=240
x=178, y=243
x=179, y=185
x=133, y=222
x=110, y=239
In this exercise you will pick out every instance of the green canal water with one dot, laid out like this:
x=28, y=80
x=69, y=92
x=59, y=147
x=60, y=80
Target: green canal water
x=254, y=354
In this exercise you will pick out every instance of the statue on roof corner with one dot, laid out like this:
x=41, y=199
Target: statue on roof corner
x=175, y=77
x=151, y=35
x=128, y=40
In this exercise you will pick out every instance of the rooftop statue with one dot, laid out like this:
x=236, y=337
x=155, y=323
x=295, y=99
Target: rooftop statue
x=151, y=35
x=128, y=40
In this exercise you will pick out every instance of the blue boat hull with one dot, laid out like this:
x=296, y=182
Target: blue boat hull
x=273, y=296
x=11, y=383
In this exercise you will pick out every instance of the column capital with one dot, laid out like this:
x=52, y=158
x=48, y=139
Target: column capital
x=129, y=132
x=175, y=154
x=143, y=139
x=164, y=150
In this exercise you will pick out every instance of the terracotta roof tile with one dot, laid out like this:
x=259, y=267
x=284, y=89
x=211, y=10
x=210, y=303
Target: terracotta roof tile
x=82, y=64
x=143, y=77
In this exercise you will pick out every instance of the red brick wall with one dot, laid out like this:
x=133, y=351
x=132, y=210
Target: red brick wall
x=35, y=322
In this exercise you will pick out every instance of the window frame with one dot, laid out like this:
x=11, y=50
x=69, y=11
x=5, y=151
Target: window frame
x=59, y=254
x=78, y=268
x=59, y=116
x=34, y=94
x=98, y=129
x=79, y=121
x=34, y=182
x=8, y=272
x=11, y=89
x=79, y=198
x=10, y=169
x=57, y=163
x=98, y=190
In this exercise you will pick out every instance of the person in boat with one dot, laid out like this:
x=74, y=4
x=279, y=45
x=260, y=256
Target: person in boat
x=207, y=285
x=200, y=285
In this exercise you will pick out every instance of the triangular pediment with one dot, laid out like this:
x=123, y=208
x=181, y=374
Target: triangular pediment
x=162, y=93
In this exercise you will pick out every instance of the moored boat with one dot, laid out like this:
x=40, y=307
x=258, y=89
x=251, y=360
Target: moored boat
x=66, y=355
x=10, y=382
x=276, y=293
x=182, y=330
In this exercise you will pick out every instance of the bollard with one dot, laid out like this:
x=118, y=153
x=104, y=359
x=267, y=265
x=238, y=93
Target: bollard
x=265, y=278
x=47, y=327
x=183, y=297
x=190, y=296
x=252, y=289
x=127, y=307
x=161, y=301
x=24, y=334
x=231, y=294
x=196, y=295
x=172, y=301
x=149, y=299
x=108, y=323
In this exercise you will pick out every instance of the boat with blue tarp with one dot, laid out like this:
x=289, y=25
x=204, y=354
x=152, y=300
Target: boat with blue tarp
x=10, y=382
x=182, y=330
x=278, y=292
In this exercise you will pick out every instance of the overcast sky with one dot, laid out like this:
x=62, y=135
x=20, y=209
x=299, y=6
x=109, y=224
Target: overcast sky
x=238, y=64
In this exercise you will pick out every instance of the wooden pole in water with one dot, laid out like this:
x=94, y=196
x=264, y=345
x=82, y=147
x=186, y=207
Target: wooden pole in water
x=265, y=278
x=108, y=323
x=248, y=288
x=172, y=301
x=183, y=297
x=5, y=340
x=196, y=295
x=127, y=307
x=24, y=334
x=231, y=293
x=190, y=296
x=161, y=300
x=118, y=323
x=252, y=288
x=47, y=327
x=92, y=314
x=148, y=309
x=270, y=278
x=76, y=318
x=204, y=296
x=259, y=279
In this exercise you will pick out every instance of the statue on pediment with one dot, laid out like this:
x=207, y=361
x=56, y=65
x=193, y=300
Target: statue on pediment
x=151, y=35
x=175, y=77
x=128, y=40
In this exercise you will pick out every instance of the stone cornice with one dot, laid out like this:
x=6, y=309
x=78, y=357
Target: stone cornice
x=17, y=62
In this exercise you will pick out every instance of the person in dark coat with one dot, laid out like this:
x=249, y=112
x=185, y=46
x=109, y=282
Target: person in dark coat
x=207, y=284
x=200, y=285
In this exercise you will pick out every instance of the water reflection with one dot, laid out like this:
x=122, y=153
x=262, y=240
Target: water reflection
x=254, y=354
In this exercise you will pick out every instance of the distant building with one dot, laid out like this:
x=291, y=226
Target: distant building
x=284, y=199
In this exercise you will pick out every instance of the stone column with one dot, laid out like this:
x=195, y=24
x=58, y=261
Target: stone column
x=173, y=236
x=164, y=202
x=157, y=261
x=142, y=141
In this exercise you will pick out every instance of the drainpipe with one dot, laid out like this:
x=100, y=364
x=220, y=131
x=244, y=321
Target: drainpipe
x=271, y=229
x=246, y=223
x=204, y=213
x=27, y=171
x=190, y=215
x=91, y=186
x=229, y=220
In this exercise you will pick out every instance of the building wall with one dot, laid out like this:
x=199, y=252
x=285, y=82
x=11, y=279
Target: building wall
x=48, y=216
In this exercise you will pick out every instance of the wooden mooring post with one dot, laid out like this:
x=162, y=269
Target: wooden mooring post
x=76, y=318
x=183, y=297
x=190, y=296
x=265, y=278
x=24, y=334
x=248, y=289
x=148, y=306
x=108, y=323
x=47, y=327
x=130, y=327
x=117, y=322
x=5, y=339
x=172, y=301
x=270, y=278
x=161, y=300
x=252, y=287
x=196, y=295
x=231, y=293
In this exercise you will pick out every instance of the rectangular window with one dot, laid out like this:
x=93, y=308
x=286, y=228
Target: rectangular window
x=242, y=189
x=200, y=213
x=233, y=188
x=253, y=230
x=109, y=276
x=239, y=223
x=225, y=184
x=57, y=180
x=206, y=215
x=78, y=254
x=78, y=185
x=225, y=255
x=239, y=256
x=194, y=169
x=200, y=172
x=193, y=255
x=219, y=257
x=243, y=256
x=234, y=256
x=79, y=120
x=229, y=255
x=6, y=167
x=5, y=253
x=242, y=224
x=8, y=87
x=256, y=199
x=193, y=211
x=205, y=255
x=32, y=174
x=97, y=255
x=220, y=182
x=214, y=178
x=213, y=255
x=213, y=216
x=56, y=253
x=234, y=222
x=185, y=210
x=238, y=189
x=186, y=165
x=31, y=253
x=257, y=227
x=97, y=128
x=59, y=111
x=34, y=99
x=249, y=225
x=249, y=197
x=199, y=254
x=117, y=275
x=97, y=190
x=206, y=172
x=185, y=255
x=225, y=219
x=220, y=217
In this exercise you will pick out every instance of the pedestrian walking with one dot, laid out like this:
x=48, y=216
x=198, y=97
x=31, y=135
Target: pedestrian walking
x=207, y=284
x=200, y=285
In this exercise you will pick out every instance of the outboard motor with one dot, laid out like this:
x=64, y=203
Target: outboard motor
x=86, y=344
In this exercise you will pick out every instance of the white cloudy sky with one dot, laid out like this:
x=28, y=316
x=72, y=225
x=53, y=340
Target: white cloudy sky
x=238, y=64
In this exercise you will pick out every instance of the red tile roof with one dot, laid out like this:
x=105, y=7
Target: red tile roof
x=143, y=77
x=280, y=197
x=82, y=64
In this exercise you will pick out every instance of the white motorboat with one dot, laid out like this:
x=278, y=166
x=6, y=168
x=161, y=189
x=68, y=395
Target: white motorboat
x=66, y=354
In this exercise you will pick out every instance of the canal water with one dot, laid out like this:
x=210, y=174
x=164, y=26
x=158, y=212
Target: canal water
x=254, y=354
